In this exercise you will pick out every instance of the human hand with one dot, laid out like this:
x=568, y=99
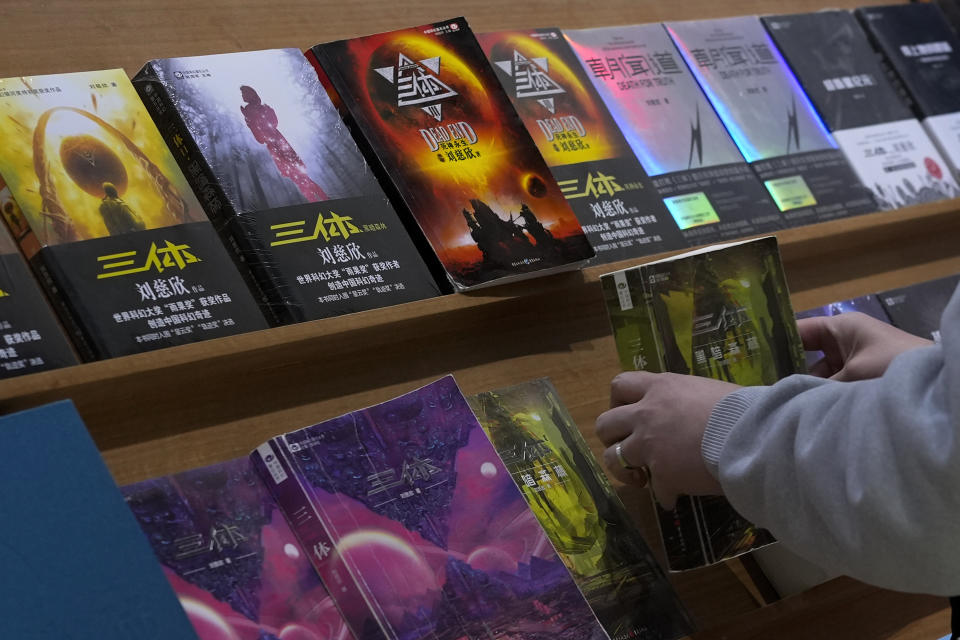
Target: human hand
x=659, y=419
x=855, y=346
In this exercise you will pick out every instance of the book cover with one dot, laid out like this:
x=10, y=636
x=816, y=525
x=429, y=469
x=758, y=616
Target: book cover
x=435, y=118
x=416, y=527
x=883, y=141
x=771, y=119
x=231, y=558
x=673, y=131
x=31, y=339
x=75, y=563
x=868, y=304
x=917, y=308
x=113, y=231
x=722, y=312
x=614, y=199
x=259, y=139
x=922, y=52
x=550, y=462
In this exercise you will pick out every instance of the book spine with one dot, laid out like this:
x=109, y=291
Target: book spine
x=646, y=299
x=47, y=275
x=308, y=525
x=227, y=221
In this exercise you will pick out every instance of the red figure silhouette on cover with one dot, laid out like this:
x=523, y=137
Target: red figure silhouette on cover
x=262, y=122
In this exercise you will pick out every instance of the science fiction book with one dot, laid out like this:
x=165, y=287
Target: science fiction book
x=721, y=312
x=917, y=308
x=75, y=563
x=229, y=554
x=450, y=146
x=31, y=339
x=110, y=226
x=771, y=119
x=571, y=497
x=614, y=199
x=868, y=304
x=884, y=143
x=922, y=53
x=279, y=174
x=416, y=527
x=696, y=169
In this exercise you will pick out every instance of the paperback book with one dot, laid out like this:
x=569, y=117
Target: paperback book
x=917, y=308
x=31, y=339
x=721, y=312
x=883, y=141
x=771, y=119
x=279, y=174
x=434, y=120
x=602, y=180
x=673, y=131
x=75, y=564
x=109, y=223
x=566, y=489
x=922, y=52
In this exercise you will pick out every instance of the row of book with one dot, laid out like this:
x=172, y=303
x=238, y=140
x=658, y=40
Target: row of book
x=259, y=188
x=725, y=313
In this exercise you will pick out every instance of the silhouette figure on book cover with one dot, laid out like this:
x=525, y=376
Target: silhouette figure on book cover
x=117, y=214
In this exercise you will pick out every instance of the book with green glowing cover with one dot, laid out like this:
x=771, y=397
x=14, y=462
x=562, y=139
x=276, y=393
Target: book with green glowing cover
x=587, y=523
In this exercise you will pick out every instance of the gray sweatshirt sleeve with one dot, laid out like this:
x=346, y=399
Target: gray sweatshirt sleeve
x=860, y=477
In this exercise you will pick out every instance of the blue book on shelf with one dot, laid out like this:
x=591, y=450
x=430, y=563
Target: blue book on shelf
x=74, y=562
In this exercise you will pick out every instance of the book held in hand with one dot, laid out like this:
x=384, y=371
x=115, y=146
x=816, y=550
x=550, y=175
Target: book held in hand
x=279, y=174
x=111, y=227
x=721, y=312
x=436, y=123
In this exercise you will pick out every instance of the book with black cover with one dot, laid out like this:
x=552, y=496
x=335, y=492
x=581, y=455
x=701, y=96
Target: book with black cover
x=922, y=53
x=111, y=227
x=882, y=139
x=434, y=120
x=917, y=308
x=31, y=339
x=75, y=563
x=279, y=174
x=771, y=119
x=602, y=180
x=669, y=124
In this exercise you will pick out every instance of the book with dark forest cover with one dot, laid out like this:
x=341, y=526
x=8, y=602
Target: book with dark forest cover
x=451, y=150
x=613, y=197
x=771, y=119
x=721, y=312
x=110, y=226
x=917, y=308
x=278, y=172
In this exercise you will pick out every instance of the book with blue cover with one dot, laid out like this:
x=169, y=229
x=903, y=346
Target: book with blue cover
x=75, y=564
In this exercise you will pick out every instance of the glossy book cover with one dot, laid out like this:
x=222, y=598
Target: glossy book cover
x=230, y=556
x=416, y=527
x=260, y=140
x=433, y=113
x=673, y=131
x=591, y=530
x=112, y=229
x=602, y=180
x=771, y=119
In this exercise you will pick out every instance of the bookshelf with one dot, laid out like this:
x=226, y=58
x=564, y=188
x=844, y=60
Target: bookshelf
x=162, y=412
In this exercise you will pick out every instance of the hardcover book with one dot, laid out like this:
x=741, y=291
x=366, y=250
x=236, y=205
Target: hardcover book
x=550, y=462
x=75, y=564
x=917, y=308
x=31, y=339
x=922, y=52
x=229, y=554
x=416, y=527
x=437, y=123
x=602, y=180
x=771, y=119
x=110, y=226
x=673, y=131
x=280, y=175
x=884, y=143
x=868, y=304
x=721, y=312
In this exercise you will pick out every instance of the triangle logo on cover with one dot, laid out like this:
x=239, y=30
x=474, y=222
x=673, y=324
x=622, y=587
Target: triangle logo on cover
x=418, y=84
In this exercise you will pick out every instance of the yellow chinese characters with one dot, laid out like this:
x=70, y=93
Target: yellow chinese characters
x=168, y=256
x=336, y=226
x=596, y=186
